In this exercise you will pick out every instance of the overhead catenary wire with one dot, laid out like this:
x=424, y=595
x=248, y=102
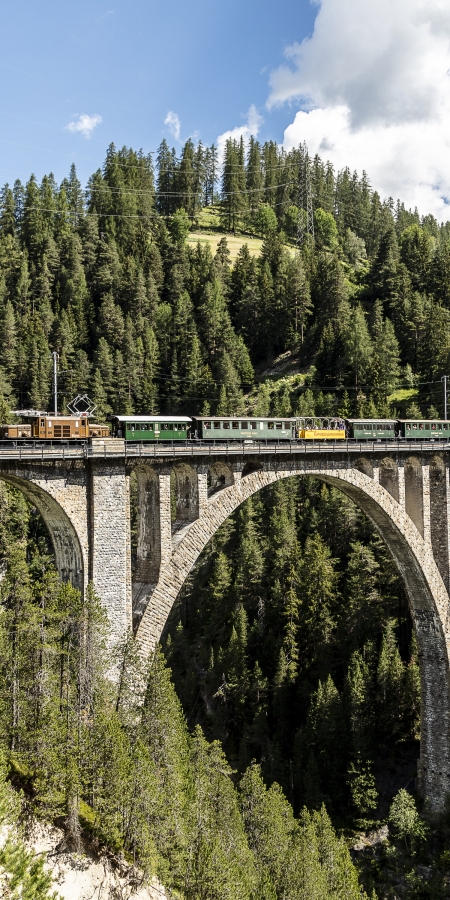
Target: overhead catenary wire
x=102, y=215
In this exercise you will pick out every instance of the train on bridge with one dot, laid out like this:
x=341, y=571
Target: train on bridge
x=40, y=427
x=252, y=429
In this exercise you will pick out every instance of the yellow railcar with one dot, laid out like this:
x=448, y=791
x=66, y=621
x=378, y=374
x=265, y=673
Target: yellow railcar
x=322, y=434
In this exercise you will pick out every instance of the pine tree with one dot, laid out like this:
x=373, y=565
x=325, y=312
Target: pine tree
x=358, y=346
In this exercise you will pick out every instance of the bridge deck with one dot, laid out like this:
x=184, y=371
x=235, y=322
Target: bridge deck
x=47, y=453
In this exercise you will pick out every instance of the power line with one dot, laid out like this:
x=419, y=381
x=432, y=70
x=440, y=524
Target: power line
x=157, y=193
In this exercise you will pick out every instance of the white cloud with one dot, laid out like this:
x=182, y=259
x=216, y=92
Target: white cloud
x=252, y=126
x=173, y=123
x=84, y=124
x=373, y=84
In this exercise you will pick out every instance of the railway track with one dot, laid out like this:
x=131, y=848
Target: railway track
x=199, y=449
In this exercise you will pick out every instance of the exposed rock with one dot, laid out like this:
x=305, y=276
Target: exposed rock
x=87, y=876
x=372, y=838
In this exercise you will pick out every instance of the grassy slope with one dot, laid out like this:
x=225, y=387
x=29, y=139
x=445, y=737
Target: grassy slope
x=209, y=230
x=234, y=242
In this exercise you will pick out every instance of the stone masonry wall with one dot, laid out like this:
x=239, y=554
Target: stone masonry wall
x=110, y=550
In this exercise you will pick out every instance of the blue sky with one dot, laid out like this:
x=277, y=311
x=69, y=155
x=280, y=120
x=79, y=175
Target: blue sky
x=132, y=63
x=365, y=82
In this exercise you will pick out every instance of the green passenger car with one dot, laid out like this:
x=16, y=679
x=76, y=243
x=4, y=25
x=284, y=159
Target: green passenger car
x=424, y=429
x=152, y=428
x=230, y=428
x=372, y=429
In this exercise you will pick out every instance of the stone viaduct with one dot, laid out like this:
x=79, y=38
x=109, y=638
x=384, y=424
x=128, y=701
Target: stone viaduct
x=83, y=497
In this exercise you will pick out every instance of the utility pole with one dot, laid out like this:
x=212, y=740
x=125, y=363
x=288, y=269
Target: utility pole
x=444, y=379
x=55, y=383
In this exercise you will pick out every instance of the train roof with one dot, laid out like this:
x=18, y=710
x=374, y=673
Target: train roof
x=167, y=419
x=355, y=421
x=36, y=414
x=244, y=418
x=423, y=421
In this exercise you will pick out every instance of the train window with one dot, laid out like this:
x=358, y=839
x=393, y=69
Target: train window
x=421, y=427
x=414, y=426
x=279, y=426
x=42, y=423
x=165, y=427
x=244, y=426
x=235, y=425
x=433, y=427
x=150, y=426
x=217, y=425
x=287, y=426
x=271, y=426
x=253, y=426
x=225, y=425
x=207, y=424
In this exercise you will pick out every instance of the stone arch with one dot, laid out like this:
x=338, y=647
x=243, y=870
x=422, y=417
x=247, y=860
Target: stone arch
x=429, y=602
x=220, y=475
x=69, y=557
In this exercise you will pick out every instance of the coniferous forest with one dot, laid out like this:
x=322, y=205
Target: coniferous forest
x=281, y=717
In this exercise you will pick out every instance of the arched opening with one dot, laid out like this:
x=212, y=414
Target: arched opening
x=427, y=596
x=365, y=466
x=249, y=640
x=220, y=475
x=389, y=477
x=250, y=467
x=64, y=538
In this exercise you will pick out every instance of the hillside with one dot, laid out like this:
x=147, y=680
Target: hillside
x=293, y=725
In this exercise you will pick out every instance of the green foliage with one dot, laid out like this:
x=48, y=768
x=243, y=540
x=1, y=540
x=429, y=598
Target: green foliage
x=107, y=279
x=405, y=820
x=294, y=646
x=302, y=657
x=325, y=229
x=265, y=220
x=115, y=758
x=22, y=873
